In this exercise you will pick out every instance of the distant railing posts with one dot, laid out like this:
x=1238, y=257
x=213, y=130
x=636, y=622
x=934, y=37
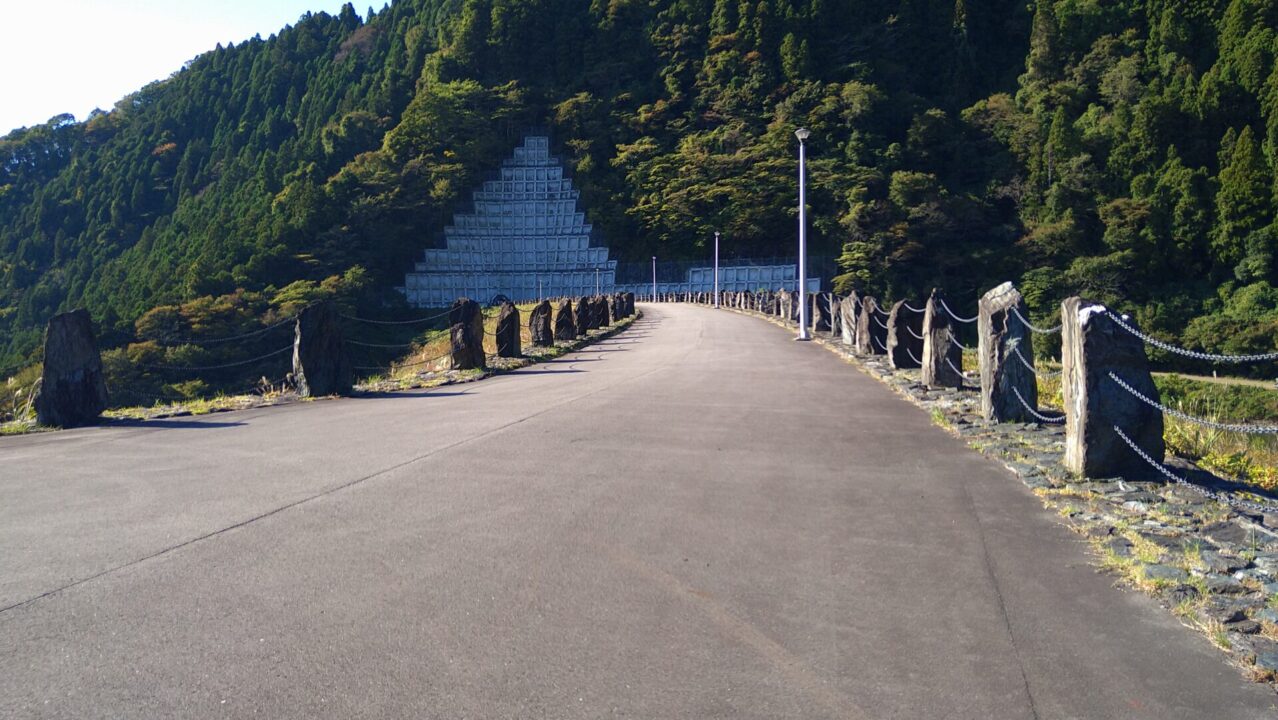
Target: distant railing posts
x=942, y=355
x=871, y=328
x=540, y=331
x=73, y=388
x=321, y=365
x=507, y=332
x=565, y=321
x=905, y=336
x=1009, y=388
x=849, y=313
x=1094, y=351
x=466, y=333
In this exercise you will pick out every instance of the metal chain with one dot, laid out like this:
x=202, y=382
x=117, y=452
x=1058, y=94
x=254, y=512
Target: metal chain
x=911, y=331
x=880, y=322
x=379, y=345
x=954, y=339
x=912, y=357
x=1031, y=368
x=911, y=308
x=1190, y=353
x=875, y=339
x=1041, y=417
x=396, y=322
x=972, y=319
x=217, y=341
x=1212, y=494
x=1232, y=427
x=962, y=374
x=218, y=367
x=1031, y=326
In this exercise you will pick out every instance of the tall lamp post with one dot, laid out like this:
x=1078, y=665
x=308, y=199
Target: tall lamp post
x=802, y=134
x=716, y=269
x=654, y=278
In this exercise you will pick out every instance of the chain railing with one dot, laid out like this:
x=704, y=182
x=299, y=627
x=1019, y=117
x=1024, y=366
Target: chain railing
x=1231, y=427
x=1034, y=411
x=1032, y=326
x=1195, y=487
x=1040, y=373
x=1211, y=357
x=954, y=315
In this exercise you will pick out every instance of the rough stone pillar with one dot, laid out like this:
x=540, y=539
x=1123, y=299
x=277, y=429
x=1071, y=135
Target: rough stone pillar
x=618, y=305
x=73, y=389
x=466, y=321
x=565, y=323
x=508, y=345
x=940, y=349
x=836, y=318
x=539, y=328
x=1002, y=334
x=584, y=316
x=602, y=315
x=1092, y=347
x=904, y=337
x=320, y=363
x=871, y=332
x=785, y=300
x=849, y=312
x=819, y=312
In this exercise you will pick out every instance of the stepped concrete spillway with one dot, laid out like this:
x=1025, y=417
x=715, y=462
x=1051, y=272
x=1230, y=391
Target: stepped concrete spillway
x=694, y=518
x=526, y=238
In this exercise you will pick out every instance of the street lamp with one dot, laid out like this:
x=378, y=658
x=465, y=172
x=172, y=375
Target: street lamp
x=596, y=281
x=716, y=270
x=654, y=278
x=802, y=134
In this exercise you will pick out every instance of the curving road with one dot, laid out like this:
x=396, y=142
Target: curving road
x=697, y=518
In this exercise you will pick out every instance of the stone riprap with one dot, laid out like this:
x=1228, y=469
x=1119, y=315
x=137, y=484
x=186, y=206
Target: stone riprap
x=1092, y=347
x=1001, y=335
x=507, y=332
x=321, y=365
x=942, y=355
x=73, y=389
x=904, y=336
x=466, y=334
x=540, y=331
x=1214, y=565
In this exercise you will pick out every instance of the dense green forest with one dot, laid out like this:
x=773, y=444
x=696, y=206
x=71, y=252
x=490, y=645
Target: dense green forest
x=1123, y=149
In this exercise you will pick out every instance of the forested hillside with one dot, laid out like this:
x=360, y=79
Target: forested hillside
x=1124, y=149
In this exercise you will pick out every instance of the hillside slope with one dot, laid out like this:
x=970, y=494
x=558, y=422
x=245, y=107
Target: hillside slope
x=1121, y=149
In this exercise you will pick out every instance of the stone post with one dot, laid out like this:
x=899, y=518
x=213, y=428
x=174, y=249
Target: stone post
x=602, y=316
x=73, y=388
x=786, y=299
x=904, y=337
x=508, y=345
x=565, y=323
x=539, y=328
x=820, y=315
x=320, y=363
x=1092, y=347
x=583, y=316
x=1002, y=334
x=940, y=349
x=466, y=321
x=849, y=310
x=871, y=333
x=630, y=304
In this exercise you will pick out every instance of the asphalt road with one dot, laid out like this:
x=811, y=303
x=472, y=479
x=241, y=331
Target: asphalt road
x=698, y=518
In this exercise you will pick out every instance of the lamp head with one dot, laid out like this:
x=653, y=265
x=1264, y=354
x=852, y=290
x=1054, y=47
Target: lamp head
x=802, y=134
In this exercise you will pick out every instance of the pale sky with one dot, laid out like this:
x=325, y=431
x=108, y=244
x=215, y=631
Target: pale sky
x=71, y=56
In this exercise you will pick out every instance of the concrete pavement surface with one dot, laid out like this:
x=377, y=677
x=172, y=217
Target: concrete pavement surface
x=697, y=518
